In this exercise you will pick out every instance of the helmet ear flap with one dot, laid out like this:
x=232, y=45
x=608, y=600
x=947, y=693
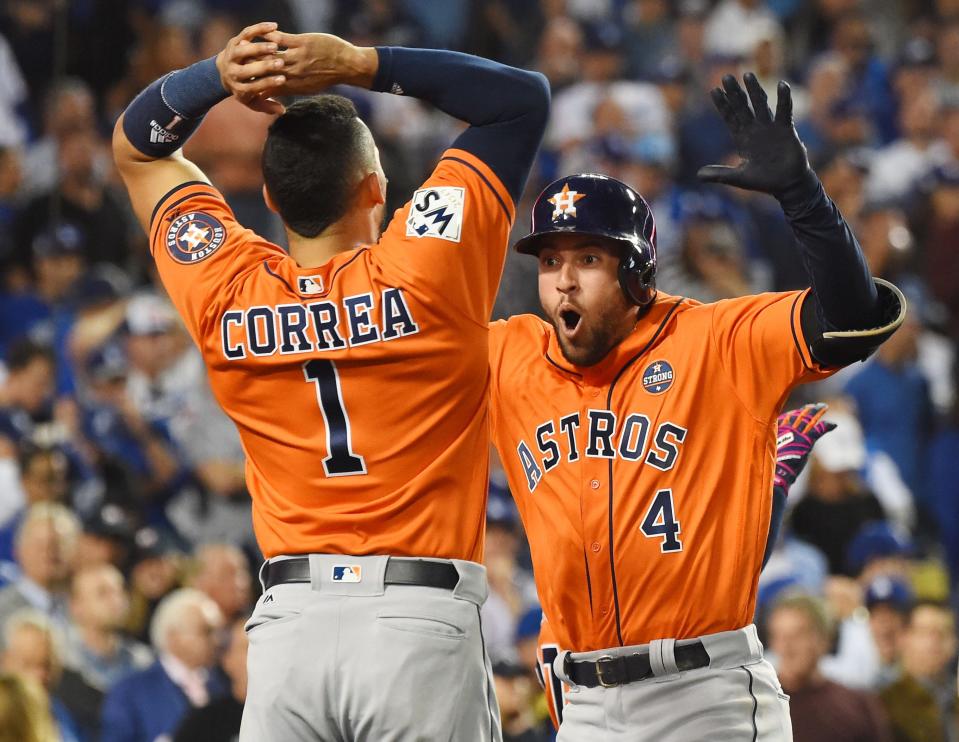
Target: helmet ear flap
x=637, y=275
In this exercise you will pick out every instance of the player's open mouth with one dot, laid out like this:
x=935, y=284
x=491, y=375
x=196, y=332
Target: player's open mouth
x=569, y=319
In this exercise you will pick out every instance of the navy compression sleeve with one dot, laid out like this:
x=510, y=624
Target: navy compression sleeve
x=844, y=291
x=507, y=108
x=164, y=115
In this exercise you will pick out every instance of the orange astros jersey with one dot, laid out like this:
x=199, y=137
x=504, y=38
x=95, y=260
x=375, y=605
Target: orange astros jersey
x=644, y=481
x=359, y=387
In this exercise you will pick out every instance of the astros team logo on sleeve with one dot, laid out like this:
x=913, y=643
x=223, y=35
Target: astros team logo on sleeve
x=657, y=377
x=193, y=237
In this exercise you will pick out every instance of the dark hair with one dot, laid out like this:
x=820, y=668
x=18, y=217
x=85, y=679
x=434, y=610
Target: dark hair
x=23, y=352
x=309, y=161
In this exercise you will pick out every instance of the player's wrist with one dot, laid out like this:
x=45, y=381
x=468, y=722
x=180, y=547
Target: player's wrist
x=361, y=64
x=800, y=192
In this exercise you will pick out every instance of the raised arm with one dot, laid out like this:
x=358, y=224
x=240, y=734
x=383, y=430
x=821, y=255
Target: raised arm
x=850, y=313
x=507, y=108
x=148, y=137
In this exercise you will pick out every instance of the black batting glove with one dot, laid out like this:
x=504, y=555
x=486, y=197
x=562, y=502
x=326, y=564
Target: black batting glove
x=774, y=159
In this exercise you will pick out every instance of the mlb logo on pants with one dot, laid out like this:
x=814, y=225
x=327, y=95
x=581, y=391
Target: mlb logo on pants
x=346, y=573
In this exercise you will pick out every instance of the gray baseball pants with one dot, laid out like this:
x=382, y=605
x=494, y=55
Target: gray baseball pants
x=737, y=698
x=361, y=661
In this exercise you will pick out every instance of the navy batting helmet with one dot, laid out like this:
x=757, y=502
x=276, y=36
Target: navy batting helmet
x=600, y=206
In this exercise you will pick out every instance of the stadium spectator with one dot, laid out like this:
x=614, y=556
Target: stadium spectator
x=943, y=492
x=836, y=503
x=44, y=547
x=844, y=174
x=24, y=716
x=155, y=570
x=515, y=690
x=916, y=70
x=42, y=476
x=222, y=572
x=13, y=95
x=122, y=439
x=152, y=702
x=632, y=108
x=947, y=50
x=558, y=53
x=219, y=721
x=735, y=27
x=898, y=167
x=33, y=649
x=883, y=231
x=800, y=632
x=26, y=393
x=826, y=86
x=97, y=648
x=889, y=601
x=11, y=177
x=710, y=263
x=511, y=590
x=650, y=37
x=81, y=198
x=893, y=385
x=941, y=230
x=106, y=537
x=922, y=703
x=869, y=89
x=879, y=549
x=68, y=107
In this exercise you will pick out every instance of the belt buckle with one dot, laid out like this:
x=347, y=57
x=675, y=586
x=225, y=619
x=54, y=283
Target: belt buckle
x=604, y=662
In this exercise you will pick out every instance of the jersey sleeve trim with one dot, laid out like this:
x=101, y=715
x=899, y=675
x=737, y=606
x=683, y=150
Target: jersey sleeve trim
x=486, y=175
x=799, y=338
x=169, y=193
x=795, y=325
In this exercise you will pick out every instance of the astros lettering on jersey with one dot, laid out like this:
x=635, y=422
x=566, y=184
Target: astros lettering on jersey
x=644, y=481
x=333, y=465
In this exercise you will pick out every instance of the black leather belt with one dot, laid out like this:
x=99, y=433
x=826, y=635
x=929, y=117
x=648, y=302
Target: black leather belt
x=609, y=671
x=398, y=572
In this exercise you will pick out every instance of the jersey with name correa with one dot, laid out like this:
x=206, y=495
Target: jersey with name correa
x=359, y=387
x=645, y=482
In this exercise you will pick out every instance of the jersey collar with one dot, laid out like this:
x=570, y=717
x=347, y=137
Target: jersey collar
x=645, y=335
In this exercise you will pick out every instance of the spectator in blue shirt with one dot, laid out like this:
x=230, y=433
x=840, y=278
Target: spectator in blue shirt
x=892, y=399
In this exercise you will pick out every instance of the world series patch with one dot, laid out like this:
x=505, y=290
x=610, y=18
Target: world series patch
x=657, y=377
x=436, y=212
x=193, y=237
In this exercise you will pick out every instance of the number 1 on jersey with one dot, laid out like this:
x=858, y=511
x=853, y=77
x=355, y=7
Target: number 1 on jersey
x=340, y=460
x=661, y=521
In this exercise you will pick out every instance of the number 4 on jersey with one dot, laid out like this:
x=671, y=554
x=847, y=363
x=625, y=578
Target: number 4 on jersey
x=340, y=459
x=661, y=521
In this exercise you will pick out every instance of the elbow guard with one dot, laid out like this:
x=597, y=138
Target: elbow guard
x=844, y=347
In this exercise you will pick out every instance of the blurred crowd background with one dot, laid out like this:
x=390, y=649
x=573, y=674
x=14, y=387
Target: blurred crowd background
x=128, y=562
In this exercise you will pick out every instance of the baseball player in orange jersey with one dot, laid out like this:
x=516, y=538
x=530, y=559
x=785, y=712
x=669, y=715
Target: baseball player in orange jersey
x=355, y=367
x=797, y=433
x=638, y=433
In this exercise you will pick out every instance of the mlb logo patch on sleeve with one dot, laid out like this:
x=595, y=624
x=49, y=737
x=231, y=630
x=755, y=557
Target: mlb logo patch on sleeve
x=347, y=573
x=436, y=212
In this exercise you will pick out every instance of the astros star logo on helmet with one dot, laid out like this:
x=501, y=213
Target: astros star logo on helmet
x=564, y=202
